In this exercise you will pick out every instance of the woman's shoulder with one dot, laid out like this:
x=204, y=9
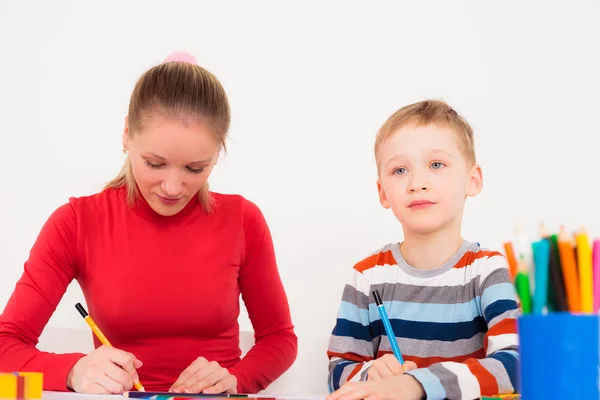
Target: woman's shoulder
x=94, y=205
x=236, y=204
x=71, y=212
x=99, y=199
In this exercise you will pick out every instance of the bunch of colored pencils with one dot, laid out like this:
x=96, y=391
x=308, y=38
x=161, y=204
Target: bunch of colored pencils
x=558, y=272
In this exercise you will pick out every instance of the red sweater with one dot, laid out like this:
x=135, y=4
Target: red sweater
x=163, y=288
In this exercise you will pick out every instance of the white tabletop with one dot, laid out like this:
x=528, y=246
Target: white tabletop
x=49, y=395
x=78, y=396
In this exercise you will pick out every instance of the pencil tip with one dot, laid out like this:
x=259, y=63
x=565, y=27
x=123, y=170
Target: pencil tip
x=518, y=228
x=543, y=230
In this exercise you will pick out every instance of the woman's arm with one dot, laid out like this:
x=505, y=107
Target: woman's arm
x=47, y=273
x=276, y=344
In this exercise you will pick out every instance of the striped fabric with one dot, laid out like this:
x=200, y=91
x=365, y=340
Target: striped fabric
x=457, y=323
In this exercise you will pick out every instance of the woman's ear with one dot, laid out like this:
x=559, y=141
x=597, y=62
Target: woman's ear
x=126, y=135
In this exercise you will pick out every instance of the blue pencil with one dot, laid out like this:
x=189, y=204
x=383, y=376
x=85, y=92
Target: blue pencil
x=388, y=327
x=541, y=258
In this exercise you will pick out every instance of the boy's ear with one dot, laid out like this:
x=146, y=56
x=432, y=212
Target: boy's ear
x=475, y=184
x=382, y=195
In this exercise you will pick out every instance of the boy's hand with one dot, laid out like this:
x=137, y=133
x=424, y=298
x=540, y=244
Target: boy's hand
x=404, y=387
x=388, y=366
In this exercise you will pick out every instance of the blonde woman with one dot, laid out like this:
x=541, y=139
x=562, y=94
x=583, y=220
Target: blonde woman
x=161, y=260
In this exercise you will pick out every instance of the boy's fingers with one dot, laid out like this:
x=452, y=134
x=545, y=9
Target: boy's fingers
x=373, y=375
x=341, y=391
x=384, y=371
x=394, y=367
x=409, y=366
x=357, y=393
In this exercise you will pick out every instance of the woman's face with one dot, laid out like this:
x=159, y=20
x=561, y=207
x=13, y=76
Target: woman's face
x=171, y=160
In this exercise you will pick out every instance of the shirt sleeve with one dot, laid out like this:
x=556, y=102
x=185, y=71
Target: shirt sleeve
x=497, y=372
x=352, y=347
x=262, y=291
x=47, y=273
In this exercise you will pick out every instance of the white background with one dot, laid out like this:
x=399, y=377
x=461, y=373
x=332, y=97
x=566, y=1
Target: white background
x=309, y=85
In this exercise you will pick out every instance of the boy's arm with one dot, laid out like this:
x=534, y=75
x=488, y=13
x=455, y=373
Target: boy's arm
x=497, y=372
x=351, y=347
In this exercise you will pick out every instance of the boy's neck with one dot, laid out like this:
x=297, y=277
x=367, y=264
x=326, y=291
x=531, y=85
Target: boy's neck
x=431, y=251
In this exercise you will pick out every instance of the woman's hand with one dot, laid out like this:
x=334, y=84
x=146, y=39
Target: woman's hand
x=207, y=377
x=105, y=370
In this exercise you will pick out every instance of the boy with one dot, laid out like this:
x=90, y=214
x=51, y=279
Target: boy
x=451, y=303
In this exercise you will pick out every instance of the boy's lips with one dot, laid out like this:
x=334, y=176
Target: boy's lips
x=420, y=203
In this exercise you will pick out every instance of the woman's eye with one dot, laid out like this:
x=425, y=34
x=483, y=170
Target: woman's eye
x=195, y=170
x=151, y=165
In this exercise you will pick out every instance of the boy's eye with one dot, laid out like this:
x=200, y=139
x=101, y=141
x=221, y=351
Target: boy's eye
x=399, y=171
x=437, y=165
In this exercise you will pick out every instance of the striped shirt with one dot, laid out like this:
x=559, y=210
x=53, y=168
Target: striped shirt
x=456, y=322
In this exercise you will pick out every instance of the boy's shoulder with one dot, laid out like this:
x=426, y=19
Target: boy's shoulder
x=471, y=255
x=481, y=266
x=477, y=255
x=379, y=258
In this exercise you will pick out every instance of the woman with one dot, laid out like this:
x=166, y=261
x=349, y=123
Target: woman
x=161, y=260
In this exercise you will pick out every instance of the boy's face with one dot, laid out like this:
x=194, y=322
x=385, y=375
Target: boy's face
x=424, y=178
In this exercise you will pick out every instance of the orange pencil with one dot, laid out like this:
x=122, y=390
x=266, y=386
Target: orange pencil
x=512, y=261
x=584, y=264
x=569, y=268
x=100, y=335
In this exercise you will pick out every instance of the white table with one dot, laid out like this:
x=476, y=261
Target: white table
x=78, y=396
x=49, y=395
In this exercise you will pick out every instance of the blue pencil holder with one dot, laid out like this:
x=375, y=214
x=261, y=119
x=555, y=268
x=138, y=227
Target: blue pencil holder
x=560, y=357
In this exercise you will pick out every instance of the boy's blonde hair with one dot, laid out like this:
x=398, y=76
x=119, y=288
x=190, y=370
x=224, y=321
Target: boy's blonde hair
x=425, y=113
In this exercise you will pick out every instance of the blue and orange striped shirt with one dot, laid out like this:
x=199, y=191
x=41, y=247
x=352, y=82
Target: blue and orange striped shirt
x=456, y=322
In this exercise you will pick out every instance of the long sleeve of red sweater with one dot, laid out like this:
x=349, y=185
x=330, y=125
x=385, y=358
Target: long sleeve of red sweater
x=47, y=273
x=164, y=288
x=276, y=344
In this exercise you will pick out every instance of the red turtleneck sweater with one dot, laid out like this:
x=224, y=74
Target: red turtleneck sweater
x=163, y=288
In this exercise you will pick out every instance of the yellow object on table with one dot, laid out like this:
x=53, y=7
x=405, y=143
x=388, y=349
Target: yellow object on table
x=21, y=385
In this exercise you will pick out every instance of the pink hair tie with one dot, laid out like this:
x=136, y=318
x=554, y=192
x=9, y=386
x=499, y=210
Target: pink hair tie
x=181, y=56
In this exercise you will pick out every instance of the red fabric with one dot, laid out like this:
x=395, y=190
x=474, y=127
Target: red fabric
x=163, y=288
x=488, y=385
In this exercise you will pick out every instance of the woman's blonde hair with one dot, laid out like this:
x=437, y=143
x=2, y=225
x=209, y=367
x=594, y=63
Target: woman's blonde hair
x=176, y=90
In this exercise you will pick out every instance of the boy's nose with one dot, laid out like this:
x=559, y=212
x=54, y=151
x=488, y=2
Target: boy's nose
x=418, y=185
x=418, y=181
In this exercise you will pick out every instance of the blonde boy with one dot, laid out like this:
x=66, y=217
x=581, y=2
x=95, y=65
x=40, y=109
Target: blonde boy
x=451, y=303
